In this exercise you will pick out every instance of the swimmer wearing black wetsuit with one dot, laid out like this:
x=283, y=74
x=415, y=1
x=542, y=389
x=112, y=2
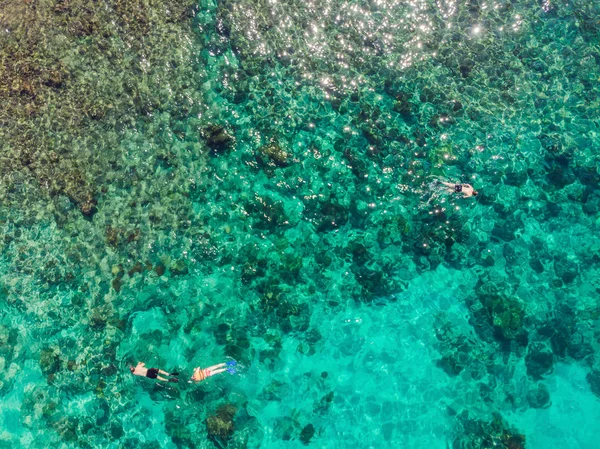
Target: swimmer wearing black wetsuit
x=152, y=373
x=466, y=190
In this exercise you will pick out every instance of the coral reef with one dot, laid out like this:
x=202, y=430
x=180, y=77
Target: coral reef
x=255, y=178
x=220, y=426
x=474, y=433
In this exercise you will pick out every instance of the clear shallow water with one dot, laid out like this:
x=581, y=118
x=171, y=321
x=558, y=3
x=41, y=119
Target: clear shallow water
x=277, y=204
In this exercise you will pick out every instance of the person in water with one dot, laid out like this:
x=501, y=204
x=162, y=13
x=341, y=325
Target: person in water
x=466, y=189
x=202, y=374
x=152, y=373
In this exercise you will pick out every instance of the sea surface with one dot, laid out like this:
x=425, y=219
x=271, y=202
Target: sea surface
x=188, y=183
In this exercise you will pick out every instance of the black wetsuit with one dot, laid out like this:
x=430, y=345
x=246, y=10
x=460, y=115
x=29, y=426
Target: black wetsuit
x=152, y=373
x=458, y=188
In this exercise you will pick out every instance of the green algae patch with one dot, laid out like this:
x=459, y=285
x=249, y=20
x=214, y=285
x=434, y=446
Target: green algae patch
x=441, y=156
x=90, y=93
x=75, y=74
x=220, y=426
x=476, y=433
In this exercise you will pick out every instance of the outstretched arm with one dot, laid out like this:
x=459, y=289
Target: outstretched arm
x=468, y=192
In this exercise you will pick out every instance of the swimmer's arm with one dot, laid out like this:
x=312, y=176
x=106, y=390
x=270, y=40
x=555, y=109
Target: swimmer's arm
x=468, y=195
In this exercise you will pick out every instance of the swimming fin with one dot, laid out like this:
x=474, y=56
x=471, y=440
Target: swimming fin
x=174, y=374
x=173, y=380
x=231, y=364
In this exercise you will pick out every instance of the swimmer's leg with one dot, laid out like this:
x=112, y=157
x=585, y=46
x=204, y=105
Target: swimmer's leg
x=217, y=371
x=215, y=367
x=173, y=379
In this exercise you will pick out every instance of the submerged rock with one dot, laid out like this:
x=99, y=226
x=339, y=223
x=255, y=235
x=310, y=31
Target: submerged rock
x=88, y=208
x=579, y=351
x=536, y=266
x=66, y=427
x=593, y=379
x=273, y=154
x=268, y=213
x=451, y=364
x=507, y=317
x=500, y=316
x=565, y=269
x=217, y=138
x=539, y=397
x=49, y=361
x=591, y=206
x=539, y=361
x=220, y=426
x=307, y=433
x=403, y=106
x=159, y=269
x=99, y=318
x=178, y=268
x=327, y=215
x=180, y=434
x=477, y=434
x=286, y=428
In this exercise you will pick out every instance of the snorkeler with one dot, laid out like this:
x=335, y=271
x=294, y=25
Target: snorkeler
x=466, y=189
x=201, y=374
x=152, y=373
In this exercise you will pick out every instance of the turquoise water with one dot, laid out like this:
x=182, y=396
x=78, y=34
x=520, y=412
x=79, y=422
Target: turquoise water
x=275, y=201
